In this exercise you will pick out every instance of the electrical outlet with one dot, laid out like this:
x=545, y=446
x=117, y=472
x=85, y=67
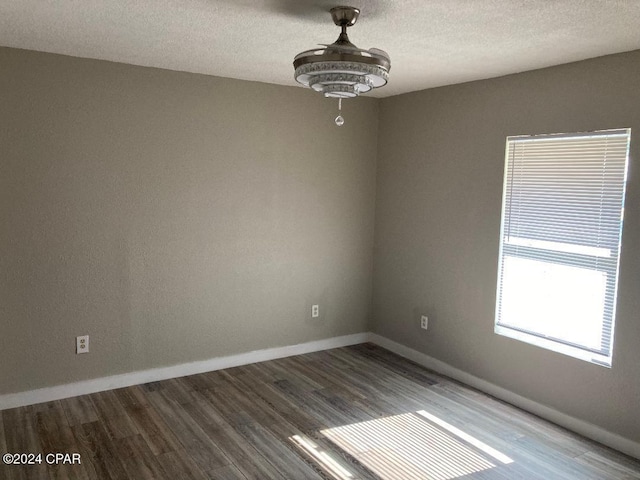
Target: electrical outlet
x=82, y=344
x=315, y=311
x=424, y=322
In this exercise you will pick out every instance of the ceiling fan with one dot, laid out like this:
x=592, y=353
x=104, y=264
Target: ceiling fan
x=342, y=70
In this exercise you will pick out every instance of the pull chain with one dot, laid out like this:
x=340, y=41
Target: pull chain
x=339, y=119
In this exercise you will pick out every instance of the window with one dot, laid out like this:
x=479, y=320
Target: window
x=560, y=241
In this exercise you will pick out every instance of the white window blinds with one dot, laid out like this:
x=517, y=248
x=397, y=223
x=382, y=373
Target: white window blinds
x=560, y=241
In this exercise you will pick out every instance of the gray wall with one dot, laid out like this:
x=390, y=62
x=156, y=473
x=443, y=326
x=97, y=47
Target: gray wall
x=173, y=217
x=438, y=202
x=177, y=217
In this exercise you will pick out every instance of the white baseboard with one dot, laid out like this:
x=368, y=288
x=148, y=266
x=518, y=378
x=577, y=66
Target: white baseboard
x=84, y=387
x=581, y=427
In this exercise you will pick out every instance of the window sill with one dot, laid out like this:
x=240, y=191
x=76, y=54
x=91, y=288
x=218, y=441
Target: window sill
x=594, y=358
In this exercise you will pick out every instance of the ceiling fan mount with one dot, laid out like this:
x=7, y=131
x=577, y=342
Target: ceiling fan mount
x=344, y=16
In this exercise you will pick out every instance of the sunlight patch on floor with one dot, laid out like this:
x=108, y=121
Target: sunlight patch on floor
x=408, y=447
x=501, y=457
x=323, y=458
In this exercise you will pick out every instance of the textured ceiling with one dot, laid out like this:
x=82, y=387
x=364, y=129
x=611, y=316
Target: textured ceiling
x=431, y=42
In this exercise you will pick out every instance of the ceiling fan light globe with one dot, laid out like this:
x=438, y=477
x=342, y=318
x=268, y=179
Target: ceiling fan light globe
x=340, y=91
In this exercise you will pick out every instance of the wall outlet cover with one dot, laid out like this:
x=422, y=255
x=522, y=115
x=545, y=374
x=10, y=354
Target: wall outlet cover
x=82, y=344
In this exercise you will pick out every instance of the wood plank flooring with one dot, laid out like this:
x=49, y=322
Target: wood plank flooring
x=352, y=413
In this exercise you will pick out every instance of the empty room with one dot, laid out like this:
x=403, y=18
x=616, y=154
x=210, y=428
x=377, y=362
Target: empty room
x=304, y=239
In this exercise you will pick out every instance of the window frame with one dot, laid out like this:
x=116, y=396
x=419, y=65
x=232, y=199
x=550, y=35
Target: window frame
x=604, y=356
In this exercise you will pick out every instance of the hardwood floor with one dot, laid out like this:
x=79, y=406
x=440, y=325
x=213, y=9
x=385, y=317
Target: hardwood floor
x=359, y=412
